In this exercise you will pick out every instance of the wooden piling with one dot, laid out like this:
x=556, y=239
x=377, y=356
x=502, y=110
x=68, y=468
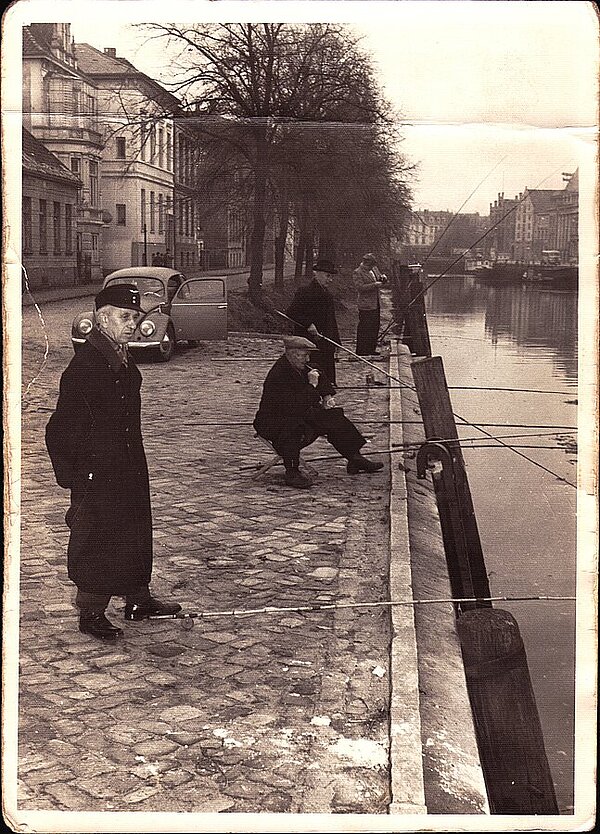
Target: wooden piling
x=438, y=420
x=409, y=310
x=509, y=733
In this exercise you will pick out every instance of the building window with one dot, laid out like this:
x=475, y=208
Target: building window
x=161, y=215
x=169, y=152
x=68, y=228
x=76, y=165
x=143, y=135
x=143, y=208
x=161, y=149
x=181, y=218
x=152, y=143
x=152, y=211
x=120, y=147
x=95, y=252
x=93, y=183
x=27, y=227
x=43, y=228
x=56, y=227
x=121, y=215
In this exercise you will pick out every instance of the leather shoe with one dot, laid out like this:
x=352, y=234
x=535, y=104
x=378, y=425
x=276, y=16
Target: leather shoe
x=362, y=464
x=98, y=626
x=150, y=608
x=294, y=478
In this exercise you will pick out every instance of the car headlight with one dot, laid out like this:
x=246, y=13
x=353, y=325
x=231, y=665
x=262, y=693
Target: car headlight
x=147, y=327
x=84, y=326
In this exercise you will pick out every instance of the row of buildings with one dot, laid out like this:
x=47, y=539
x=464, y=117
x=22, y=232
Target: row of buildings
x=535, y=225
x=109, y=169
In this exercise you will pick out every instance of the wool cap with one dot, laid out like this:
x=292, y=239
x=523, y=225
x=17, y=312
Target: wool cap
x=323, y=265
x=119, y=295
x=298, y=342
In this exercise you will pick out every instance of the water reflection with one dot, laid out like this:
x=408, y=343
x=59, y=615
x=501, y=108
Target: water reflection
x=531, y=318
x=500, y=347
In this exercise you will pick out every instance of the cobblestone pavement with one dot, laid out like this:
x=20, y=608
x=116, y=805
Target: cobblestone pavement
x=272, y=712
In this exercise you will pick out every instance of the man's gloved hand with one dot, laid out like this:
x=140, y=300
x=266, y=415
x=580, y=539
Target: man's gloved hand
x=329, y=401
x=312, y=330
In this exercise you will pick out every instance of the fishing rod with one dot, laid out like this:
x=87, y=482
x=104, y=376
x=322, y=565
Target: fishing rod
x=351, y=352
x=333, y=606
x=457, y=213
x=412, y=388
x=482, y=237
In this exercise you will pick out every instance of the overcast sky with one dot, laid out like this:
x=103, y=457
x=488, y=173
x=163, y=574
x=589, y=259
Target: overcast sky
x=503, y=92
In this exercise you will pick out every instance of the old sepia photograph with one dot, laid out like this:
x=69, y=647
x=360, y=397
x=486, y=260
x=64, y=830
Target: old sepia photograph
x=300, y=364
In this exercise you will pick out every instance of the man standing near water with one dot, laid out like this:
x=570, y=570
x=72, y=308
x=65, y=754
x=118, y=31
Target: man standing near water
x=368, y=280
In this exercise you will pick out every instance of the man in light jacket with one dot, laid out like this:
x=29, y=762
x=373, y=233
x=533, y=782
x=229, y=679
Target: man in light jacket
x=368, y=280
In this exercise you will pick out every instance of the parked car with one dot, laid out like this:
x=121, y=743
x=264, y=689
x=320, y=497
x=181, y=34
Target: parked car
x=177, y=309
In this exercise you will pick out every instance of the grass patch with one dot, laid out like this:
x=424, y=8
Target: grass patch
x=247, y=317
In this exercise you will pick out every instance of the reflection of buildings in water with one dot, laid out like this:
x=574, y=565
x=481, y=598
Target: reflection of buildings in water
x=452, y=294
x=537, y=319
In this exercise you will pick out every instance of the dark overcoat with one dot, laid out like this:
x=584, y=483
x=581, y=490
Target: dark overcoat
x=287, y=399
x=313, y=304
x=95, y=444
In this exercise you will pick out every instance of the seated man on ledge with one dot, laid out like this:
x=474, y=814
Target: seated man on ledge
x=297, y=406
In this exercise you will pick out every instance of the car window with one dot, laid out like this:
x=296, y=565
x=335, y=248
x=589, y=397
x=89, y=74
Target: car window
x=172, y=286
x=203, y=290
x=144, y=284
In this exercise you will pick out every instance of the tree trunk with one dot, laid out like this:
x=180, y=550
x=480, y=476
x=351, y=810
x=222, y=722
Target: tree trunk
x=284, y=217
x=258, y=226
x=300, y=252
x=310, y=254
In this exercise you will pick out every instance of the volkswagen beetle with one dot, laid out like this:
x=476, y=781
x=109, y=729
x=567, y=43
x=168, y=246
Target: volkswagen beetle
x=176, y=309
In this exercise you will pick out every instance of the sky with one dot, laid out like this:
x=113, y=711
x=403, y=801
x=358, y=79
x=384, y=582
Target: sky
x=492, y=96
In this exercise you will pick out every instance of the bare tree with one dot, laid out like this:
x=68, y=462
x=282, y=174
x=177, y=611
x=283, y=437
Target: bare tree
x=248, y=83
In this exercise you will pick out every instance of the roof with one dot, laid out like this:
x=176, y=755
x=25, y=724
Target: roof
x=161, y=272
x=97, y=64
x=39, y=161
x=544, y=199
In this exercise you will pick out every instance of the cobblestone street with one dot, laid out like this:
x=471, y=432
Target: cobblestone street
x=278, y=712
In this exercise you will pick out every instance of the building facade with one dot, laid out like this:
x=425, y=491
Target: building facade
x=60, y=109
x=49, y=217
x=138, y=159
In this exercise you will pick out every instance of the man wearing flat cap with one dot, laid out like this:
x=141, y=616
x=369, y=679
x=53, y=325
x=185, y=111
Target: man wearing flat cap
x=313, y=308
x=368, y=280
x=95, y=444
x=297, y=406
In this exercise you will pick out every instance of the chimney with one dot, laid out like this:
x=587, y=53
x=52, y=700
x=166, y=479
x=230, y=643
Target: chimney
x=110, y=51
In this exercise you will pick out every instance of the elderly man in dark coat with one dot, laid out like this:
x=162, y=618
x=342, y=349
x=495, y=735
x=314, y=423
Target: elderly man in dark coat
x=297, y=406
x=94, y=441
x=313, y=308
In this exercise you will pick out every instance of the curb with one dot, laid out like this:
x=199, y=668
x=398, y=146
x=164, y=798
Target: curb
x=406, y=763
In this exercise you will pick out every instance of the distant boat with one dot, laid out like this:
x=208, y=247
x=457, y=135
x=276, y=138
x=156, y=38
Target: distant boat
x=559, y=276
x=497, y=272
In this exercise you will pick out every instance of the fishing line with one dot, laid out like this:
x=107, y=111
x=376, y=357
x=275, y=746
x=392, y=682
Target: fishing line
x=43, y=323
x=457, y=213
x=413, y=389
x=484, y=235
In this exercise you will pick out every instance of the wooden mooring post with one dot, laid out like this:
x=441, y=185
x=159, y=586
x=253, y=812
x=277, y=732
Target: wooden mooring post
x=457, y=517
x=409, y=309
x=507, y=724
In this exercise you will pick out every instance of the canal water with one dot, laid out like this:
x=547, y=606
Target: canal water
x=514, y=337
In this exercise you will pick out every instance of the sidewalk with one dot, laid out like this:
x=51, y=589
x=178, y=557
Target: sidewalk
x=237, y=278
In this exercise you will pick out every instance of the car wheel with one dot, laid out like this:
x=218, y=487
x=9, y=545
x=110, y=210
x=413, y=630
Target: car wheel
x=167, y=345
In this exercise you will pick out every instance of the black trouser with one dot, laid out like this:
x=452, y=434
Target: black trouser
x=324, y=422
x=324, y=360
x=97, y=603
x=367, y=332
